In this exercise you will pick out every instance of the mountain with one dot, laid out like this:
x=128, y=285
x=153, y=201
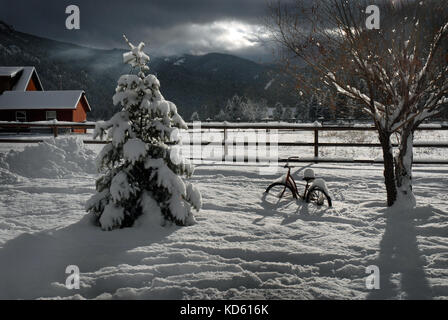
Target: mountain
x=194, y=83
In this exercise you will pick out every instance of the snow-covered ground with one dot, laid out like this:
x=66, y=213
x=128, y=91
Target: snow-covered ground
x=244, y=246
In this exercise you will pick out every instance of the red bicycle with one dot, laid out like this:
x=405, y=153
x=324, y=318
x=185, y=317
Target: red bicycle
x=316, y=190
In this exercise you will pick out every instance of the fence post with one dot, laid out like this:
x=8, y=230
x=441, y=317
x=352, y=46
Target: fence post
x=55, y=131
x=226, y=151
x=316, y=143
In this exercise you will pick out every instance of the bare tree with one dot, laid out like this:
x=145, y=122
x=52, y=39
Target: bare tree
x=396, y=75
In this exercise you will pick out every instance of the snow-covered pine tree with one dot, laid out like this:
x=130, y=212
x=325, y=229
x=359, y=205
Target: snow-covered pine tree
x=287, y=114
x=278, y=111
x=141, y=170
x=261, y=109
x=248, y=110
x=195, y=116
x=313, y=108
x=222, y=116
x=234, y=107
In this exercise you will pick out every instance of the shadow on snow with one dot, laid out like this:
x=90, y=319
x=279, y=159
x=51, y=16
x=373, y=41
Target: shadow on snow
x=33, y=265
x=400, y=261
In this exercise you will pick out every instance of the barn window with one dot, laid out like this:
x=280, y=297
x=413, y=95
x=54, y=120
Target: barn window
x=51, y=115
x=21, y=116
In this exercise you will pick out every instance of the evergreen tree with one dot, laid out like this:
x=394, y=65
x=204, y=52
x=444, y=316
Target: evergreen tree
x=278, y=111
x=195, y=116
x=313, y=107
x=262, y=109
x=288, y=114
x=243, y=109
x=234, y=108
x=248, y=110
x=302, y=112
x=222, y=116
x=140, y=166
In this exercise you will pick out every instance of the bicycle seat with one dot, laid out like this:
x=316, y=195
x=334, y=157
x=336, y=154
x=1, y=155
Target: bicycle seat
x=308, y=175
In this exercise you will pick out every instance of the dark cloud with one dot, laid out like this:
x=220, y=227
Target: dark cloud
x=170, y=26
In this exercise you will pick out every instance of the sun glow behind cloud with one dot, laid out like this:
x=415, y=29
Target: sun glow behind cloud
x=236, y=35
x=217, y=36
x=168, y=27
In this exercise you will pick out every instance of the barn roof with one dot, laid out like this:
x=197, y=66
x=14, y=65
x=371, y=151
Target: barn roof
x=45, y=100
x=9, y=71
x=24, y=73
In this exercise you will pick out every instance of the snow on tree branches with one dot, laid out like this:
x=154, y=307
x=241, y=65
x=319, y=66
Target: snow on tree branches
x=141, y=171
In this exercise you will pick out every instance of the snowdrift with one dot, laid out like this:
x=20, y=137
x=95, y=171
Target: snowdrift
x=53, y=158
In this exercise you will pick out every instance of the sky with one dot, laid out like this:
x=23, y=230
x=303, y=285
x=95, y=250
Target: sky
x=168, y=27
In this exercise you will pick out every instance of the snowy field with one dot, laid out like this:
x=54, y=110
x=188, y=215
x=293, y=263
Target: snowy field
x=244, y=246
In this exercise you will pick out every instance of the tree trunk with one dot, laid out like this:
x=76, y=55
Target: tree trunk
x=389, y=174
x=403, y=168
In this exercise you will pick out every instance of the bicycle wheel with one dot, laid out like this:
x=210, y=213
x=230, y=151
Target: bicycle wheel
x=278, y=190
x=318, y=196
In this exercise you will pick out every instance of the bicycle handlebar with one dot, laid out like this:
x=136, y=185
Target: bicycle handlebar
x=287, y=163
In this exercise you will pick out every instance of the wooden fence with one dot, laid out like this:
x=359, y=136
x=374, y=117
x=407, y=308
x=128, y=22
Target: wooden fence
x=226, y=127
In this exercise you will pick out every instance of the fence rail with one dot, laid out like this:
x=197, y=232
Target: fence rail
x=226, y=127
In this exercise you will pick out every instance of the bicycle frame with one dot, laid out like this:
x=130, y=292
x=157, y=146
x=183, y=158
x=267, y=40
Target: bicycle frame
x=292, y=184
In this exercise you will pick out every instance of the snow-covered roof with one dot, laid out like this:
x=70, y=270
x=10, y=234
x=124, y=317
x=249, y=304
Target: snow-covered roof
x=28, y=100
x=25, y=75
x=9, y=71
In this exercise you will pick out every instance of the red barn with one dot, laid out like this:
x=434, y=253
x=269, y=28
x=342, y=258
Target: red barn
x=22, y=98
